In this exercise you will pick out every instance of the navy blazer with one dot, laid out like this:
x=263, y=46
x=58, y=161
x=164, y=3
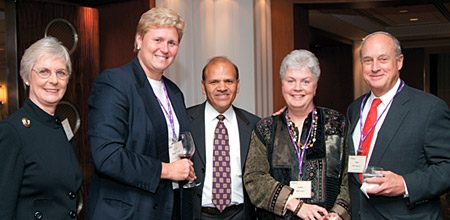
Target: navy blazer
x=39, y=171
x=414, y=142
x=246, y=123
x=128, y=140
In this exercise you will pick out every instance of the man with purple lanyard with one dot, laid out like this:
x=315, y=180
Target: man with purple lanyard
x=407, y=134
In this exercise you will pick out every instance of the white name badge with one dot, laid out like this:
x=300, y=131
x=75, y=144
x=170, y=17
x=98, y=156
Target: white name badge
x=67, y=129
x=302, y=189
x=356, y=164
x=175, y=150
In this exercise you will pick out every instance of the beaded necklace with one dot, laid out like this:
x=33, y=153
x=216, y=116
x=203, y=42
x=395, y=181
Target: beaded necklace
x=298, y=144
x=296, y=136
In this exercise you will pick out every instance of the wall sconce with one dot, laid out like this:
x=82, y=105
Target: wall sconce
x=2, y=94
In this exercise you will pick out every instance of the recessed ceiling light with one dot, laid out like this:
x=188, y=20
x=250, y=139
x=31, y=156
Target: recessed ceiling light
x=403, y=11
x=414, y=19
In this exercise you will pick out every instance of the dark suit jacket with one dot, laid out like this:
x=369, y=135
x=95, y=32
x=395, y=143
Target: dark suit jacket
x=39, y=171
x=128, y=141
x=246, y=123
x=414, y=142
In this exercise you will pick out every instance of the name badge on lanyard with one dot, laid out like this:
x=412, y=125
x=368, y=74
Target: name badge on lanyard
x=302, y=189
x=175, y=150
x=67, y=129
x=356, y=164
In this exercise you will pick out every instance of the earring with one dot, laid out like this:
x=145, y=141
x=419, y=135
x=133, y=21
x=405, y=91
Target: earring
x=138, y=47
x=27, y=83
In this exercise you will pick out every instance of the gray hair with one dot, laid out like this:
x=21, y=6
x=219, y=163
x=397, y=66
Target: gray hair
x=299, y=59
x=45, y=47
x=397, y=46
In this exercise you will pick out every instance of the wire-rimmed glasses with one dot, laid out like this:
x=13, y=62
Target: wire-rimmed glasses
x=45, y=73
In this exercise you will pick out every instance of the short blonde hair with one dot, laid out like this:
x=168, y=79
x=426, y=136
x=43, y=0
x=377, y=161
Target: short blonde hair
x=158, y=18
x=45, y=47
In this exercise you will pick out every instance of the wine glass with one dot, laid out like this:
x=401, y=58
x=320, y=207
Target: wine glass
x=188, y=151
x=369, y=173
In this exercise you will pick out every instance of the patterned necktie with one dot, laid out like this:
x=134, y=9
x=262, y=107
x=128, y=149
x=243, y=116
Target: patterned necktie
x=221, y=189
x=370, y=120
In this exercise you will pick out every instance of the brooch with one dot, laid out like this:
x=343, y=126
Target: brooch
x=26, y=122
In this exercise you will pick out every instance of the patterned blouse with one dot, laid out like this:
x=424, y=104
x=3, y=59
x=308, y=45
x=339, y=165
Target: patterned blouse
x=272, y=162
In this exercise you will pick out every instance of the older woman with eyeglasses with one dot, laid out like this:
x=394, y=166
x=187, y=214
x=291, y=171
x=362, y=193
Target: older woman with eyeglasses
x=39, y=171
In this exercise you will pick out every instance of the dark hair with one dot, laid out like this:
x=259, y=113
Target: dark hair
x=219, y=59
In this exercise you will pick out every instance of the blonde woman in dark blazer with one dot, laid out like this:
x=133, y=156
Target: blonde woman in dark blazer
x=135, y=113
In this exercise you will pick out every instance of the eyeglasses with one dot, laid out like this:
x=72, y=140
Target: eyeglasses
x=45, y=73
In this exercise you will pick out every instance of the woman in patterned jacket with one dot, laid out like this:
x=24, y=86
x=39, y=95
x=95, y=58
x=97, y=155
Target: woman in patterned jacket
x=296, y=162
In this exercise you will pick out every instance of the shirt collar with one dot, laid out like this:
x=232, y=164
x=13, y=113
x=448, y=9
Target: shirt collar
x=386, y=98
x=211, y=113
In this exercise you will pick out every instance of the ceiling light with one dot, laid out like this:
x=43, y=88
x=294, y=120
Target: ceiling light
x=403, y=11
x=414, y=19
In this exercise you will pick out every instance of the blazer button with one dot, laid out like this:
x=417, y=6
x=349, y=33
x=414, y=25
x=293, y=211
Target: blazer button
x=203, y=170
x=155, y=206
x=38, y=215
x=199, y=196
x=72, y=214
x=72, y=195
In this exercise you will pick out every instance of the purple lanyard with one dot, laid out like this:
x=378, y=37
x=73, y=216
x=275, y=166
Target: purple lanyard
x=296, y=146
x=168, y=113
x=363, y=137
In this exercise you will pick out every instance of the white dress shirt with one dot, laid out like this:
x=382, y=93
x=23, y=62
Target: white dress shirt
x=230, y=121
x=385, y=99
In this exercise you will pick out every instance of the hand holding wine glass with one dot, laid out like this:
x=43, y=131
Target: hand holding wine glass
x=188, y=150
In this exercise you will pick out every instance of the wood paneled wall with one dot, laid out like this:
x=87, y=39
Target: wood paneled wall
x=117, y=31
x=413, y=67
x=291, y=30
x=33, y=17
x=282, y=43
x=335, y=88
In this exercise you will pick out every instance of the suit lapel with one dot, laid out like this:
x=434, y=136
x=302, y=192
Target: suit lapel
x=390, y=127
x=177, y=102
x=197, y=119
x=153, y=109
x=353, y=117
x=244, y=134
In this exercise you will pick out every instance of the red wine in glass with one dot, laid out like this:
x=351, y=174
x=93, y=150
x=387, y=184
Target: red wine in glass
x=185, y=156
x=188, y=150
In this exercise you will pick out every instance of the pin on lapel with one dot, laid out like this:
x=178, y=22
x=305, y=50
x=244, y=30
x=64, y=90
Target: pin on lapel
x=26, y=122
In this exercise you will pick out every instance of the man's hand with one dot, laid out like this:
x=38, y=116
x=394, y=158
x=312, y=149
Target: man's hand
x=279, y=111
x=391, y=184
x=179, y=170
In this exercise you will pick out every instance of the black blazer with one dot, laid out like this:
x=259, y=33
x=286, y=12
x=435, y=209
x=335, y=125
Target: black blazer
x=39, y=171
x=414, y=142
x=246, y=123
x=128, y=140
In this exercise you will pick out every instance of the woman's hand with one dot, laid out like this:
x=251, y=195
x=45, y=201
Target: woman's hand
x=333, y=216
x=311, y=212
x=179, y=170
